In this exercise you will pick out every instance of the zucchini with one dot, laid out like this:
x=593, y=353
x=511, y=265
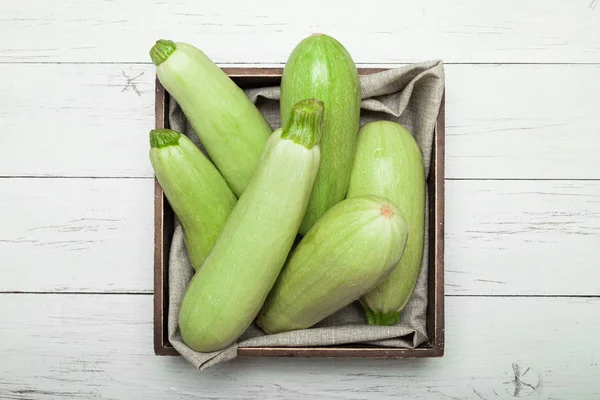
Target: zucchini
x=348, y=251
x=225, y=295
x=320, y=67
x=196, y=191
x=230, y=127
x=389, y=163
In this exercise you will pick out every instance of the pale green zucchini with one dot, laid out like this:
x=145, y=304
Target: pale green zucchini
x=231, y=128
x=347, y=252
x=389, y=163
x=320, y=67
x=196, y=191
x=225, y=295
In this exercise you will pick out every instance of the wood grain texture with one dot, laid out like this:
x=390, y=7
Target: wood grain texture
x=523, y=121
x=266, y=31
x=523, y=237
x=502, y=237
x=76, y=120
x=67, y=235
x=100, y=346
x=508, y=121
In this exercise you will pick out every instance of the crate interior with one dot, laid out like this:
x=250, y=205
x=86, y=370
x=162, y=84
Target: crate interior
x=250, y=78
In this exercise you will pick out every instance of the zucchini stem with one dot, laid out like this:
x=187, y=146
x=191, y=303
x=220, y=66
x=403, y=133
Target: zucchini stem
x=375, y=318
x=161, y=51
x=163, y=138
x=305, y=124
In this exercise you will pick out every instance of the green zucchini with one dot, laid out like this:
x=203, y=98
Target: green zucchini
x=347, y=252
x=196, y=191
x=230, y=127
x=389, y=163
x=320, y=67
x=225, y=295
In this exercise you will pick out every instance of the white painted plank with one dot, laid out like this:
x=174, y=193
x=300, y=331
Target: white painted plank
x=523, y=121
x=523, y=237
x=88, y=346
x=502, y=237
x=76, y=120
x=509, y=121
x=266, y=31
x=76, y=234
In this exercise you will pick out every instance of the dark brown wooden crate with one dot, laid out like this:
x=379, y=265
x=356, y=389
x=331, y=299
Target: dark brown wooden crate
x=164, y=226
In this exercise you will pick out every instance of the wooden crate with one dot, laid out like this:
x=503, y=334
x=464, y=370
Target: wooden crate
x=164, y=227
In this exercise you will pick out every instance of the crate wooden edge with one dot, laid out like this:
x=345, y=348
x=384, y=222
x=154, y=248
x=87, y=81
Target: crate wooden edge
x=436, y=313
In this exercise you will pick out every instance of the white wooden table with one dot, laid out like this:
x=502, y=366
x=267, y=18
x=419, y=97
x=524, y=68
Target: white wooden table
x=523, y=195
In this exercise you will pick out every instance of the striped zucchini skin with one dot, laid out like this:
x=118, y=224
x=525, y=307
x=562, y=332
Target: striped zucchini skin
x=229, y=289
x=194, y=188
x=230, y=127
x=320, y=67
x=389, y=163
x=348, y=251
